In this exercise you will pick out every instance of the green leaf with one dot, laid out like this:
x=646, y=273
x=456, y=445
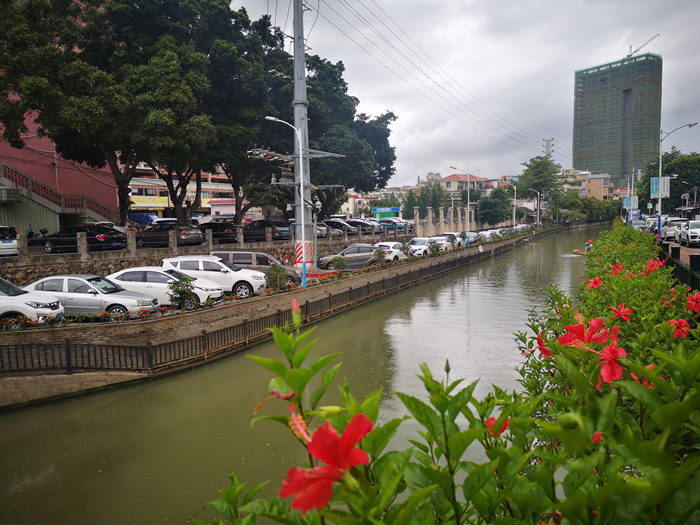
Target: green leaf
x=273, y=365
x=425, y=415
x=376, y=441
x=389, y=477
x=479, y=476
x=406, y=515
x=298, y=378
x=672, y=415
x=325, y=383
x=642, y=394
x=458, y=442
x=322, y=361
x=280, y=419
x=302, y=352
x=276, y=508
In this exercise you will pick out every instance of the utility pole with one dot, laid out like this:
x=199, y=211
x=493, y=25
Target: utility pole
x=303, y=249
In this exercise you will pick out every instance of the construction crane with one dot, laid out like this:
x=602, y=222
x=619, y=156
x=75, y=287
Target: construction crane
x=644, y=44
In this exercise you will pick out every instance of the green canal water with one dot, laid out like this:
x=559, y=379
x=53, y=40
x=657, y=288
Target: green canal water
x=156, y=452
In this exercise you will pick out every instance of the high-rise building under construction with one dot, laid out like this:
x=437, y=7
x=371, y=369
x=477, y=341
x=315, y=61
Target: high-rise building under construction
x=617, y=116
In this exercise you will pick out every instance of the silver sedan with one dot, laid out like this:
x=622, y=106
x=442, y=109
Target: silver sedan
x=91, y=294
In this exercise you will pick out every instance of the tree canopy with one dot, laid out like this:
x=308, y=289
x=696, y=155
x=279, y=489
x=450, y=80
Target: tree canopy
x=495, y=208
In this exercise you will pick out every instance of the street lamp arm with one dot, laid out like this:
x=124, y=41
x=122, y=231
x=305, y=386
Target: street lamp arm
x=679, y=127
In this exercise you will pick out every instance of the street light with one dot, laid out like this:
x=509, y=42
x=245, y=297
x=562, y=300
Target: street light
x=538, y=207
x=468, y=185
x=301, y=219
x=661, y=158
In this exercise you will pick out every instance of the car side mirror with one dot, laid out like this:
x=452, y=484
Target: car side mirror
x=224, y=270
x=92, y=291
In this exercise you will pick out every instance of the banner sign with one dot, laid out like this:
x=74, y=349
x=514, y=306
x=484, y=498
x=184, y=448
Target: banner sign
x=386, y=210
x=654, y=188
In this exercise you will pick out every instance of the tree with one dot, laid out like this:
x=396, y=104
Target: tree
x=410, y=201
x=495, y=208
x=540, y=174
x=387, y=201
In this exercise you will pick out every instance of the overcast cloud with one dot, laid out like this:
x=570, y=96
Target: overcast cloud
x=458, y=73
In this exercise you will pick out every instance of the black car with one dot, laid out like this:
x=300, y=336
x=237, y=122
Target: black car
x=340, y=224
x=99, y=237
x=223, y=232
x=256, y=230
x=158, y=234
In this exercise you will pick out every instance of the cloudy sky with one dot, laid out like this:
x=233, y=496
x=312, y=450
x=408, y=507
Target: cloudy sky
x=480, y=84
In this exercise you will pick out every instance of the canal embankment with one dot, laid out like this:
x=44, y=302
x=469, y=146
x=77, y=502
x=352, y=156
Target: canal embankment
x=46, y=363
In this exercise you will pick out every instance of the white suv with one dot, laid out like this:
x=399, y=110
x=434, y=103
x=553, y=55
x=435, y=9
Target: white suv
x=239, y=281
x=15, y=302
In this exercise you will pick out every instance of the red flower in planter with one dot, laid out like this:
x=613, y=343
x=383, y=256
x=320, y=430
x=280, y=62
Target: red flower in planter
x=682, y=327
x=617, y=268
x=596, y=437
x=621, y=311
x=312, y=488
x=543, y=349
x=610, y=368
x=594, y=283
x=694, y=302
x=577, y=334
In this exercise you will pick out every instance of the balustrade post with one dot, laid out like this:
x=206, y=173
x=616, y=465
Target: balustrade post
x=441, y=218
x=429, y=226
x=69, y=363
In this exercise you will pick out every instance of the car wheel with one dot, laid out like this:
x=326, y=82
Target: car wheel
x=289, y=281
x=49, y=247
x=395, y=259
x=117, y=309
x=242, y=290
x=139, y=242
x=191, y=302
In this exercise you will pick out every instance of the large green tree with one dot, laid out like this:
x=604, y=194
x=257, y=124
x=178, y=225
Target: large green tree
x=495, y=208
x=539, y=175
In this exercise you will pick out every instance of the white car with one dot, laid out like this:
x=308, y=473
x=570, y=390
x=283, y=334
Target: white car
x=421, y=245
x=91, y=294
x=668, y=230
x=156, y=280
x=392, y=250
x=239, y=281
x=15, y=302
x=459, y=241
x=690, y=233
x=8, y=240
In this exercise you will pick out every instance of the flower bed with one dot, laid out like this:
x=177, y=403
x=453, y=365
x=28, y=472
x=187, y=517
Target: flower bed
x=605, y=430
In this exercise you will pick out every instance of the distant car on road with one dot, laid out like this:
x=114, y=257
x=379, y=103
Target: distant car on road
x=257, y=230
x=223, y=232
x=8, y=240
x=668, y=228
x=158, y=234
x=239, y=281
x=91, y=294
x=340, y=224
x=99, y=237
x=156, y=281
x=690, y=233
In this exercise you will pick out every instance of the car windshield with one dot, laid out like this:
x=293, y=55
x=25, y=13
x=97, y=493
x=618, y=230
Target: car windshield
x=415, y=242
x=229, y=265
x=177, y=275
x=10, y=289
x=694, y=224
x=104, y=285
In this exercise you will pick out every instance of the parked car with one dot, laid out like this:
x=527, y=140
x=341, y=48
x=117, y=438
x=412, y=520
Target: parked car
x=456, y=238
x=257, y=260
x=690, y=233
x=363, y=226
x=668, y=228
x=445, y=242
x=340, y=224
x=333, y=233
x=223, y=232
x=99, y=237
x=15, y=302
x=8, y=240
x=158, y=234
x=257, y=230
x=391, y=225
x=392, y=250
x=156, y=281
x=91, y=294
x=238, y=281
x=355, y=255
x=321, y=230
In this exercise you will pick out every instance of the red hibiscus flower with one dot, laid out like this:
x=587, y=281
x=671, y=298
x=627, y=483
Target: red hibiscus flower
x=617, y=268
x=312, y=488
x=490, y=421
x=594, y=283
x=610, y=368
x=543, y=349
x=621, y=311
x=682, y=327
x=596, y=437
x=694, y=302
x=644, y=381
x=577, y=334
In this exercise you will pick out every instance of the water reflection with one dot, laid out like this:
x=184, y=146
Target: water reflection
x=155, y=452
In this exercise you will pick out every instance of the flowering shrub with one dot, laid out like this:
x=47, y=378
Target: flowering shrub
x=604, y=431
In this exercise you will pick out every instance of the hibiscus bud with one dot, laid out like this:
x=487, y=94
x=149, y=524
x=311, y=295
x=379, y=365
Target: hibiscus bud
x=350, y=482
x=296, y=314
x=325, y=412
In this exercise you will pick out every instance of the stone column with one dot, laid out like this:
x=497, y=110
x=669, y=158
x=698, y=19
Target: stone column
x=416, y=221
x=429, y=226
x=441, y=218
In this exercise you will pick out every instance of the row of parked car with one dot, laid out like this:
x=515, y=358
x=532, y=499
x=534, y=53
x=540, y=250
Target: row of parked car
x=677, y=229
x=131, y=290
